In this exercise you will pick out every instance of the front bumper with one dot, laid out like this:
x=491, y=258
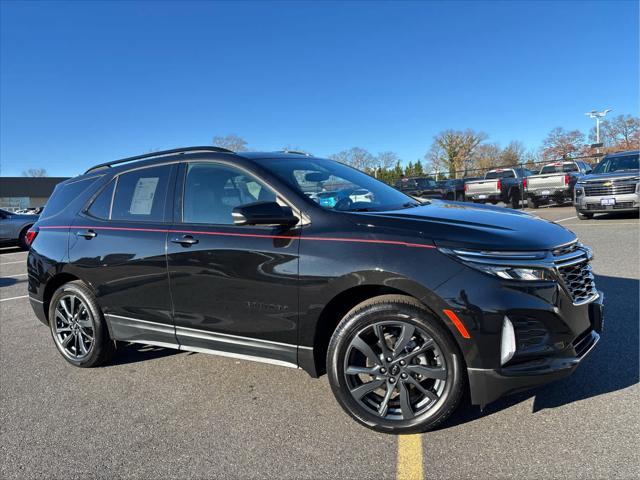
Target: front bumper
x=487, y=385
x=623, y=203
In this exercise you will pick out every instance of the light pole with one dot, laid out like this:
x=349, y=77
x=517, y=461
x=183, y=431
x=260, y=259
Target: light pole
x=598, y=116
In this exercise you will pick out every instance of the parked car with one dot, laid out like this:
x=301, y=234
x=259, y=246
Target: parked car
x=420, y=187
x=14, y=228
x=611, y=186
x=555, y=182
x=499, y=185
x=453, y=189
x=158, y=249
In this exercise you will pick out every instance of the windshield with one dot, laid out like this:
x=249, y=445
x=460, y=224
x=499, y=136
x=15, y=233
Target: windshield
x=559, y=168
x=617, y=164
x=335, y=186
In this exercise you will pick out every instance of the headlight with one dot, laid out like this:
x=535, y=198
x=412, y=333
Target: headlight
x=579, y=191
x=515, y=273
x=506, y=265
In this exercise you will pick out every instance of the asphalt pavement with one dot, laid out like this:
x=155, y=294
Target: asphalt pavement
x=165, y=414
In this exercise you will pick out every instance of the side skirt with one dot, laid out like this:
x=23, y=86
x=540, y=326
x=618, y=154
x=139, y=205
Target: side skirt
x=144, y=332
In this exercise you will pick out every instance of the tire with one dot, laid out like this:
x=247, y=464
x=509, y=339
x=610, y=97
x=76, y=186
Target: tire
x=584, y=216
x=79, y=350
x=534, y=203
x=514, y=199
x=389, y=317
x=22, y=238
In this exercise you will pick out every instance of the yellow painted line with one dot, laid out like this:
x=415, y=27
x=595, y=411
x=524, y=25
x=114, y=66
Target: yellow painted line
x=410, y=457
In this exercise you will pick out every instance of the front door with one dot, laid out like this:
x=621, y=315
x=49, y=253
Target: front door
x=234, y=288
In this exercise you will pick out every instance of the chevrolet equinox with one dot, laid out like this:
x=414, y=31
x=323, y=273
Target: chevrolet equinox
x=304, y=262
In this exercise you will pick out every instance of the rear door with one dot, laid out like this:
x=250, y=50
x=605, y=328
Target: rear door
x=117, y=244
x=234, y=288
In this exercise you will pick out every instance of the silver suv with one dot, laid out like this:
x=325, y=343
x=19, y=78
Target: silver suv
x=611, y=187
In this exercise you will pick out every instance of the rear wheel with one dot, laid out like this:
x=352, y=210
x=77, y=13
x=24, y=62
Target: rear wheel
x=78, y=327
x=393, y=367
x=534, y=203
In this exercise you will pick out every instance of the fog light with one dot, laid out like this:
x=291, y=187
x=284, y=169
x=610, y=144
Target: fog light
x=508, y=343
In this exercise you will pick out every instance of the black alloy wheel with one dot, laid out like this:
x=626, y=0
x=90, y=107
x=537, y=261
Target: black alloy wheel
x=393, y=367
x=77, y=326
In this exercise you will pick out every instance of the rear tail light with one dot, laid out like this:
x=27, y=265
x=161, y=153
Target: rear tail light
x=32, y=233
x=499, y=184
x=566, y=179
x=524, y=183
x=465, y=187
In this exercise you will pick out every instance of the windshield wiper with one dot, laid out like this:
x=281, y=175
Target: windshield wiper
x=413, y=204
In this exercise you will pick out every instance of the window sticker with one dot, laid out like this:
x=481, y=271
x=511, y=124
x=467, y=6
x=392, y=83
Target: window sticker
x=142, y=200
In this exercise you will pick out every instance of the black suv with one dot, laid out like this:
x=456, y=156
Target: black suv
x=404, y=305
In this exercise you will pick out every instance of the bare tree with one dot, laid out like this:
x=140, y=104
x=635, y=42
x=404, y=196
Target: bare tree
x=619, y=133
x=486, y=156
x=386, y=160
x=512, y=154
x=561, y=143
x=453, y=150
x=34, y=172
x=356, y=157
x=231, y=142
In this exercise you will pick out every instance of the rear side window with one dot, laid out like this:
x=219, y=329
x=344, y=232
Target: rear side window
x=141, y=194
x=101, y=206
x=64, y=194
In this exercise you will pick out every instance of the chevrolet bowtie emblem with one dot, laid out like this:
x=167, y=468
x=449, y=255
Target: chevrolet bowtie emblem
x=607, y=184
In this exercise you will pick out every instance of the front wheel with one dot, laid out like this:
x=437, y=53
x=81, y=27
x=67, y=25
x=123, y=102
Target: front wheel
x=515, y=200
x=584, y=216
x=534, y=203
x=393, y=367
x=78, y=327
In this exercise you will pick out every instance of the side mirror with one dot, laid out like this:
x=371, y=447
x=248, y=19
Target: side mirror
x=263, y=213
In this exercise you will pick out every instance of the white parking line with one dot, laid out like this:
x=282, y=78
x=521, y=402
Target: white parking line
x=17, y=275
x=13, y=298
x=11, y=263
x=564, y=219
x=589, y=224
x=13, y=253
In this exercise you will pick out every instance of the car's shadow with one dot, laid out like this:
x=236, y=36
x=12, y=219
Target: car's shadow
x=128, y=353
x=8, y=281
x=612, y=365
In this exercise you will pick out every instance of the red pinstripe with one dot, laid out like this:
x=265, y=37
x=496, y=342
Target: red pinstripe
x=248, y=235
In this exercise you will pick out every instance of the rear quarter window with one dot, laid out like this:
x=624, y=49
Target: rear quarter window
x=64, y=194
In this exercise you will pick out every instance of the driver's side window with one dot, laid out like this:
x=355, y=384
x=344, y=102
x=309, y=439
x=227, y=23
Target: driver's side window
x=212, y=190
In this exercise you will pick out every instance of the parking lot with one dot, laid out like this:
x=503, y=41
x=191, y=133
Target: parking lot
x=166, y=414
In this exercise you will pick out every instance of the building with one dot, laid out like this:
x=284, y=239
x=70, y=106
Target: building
x=26, y=192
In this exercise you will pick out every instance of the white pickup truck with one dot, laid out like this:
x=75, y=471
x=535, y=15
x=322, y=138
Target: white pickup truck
x=499, y=185
x=555, y=182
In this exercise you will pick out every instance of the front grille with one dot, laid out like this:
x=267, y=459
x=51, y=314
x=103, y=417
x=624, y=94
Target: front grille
x=600, y=190
x=572, y=262
x=617, y=206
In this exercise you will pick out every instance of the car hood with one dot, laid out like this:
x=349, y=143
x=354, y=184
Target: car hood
x=609, y=176
x=465, y=225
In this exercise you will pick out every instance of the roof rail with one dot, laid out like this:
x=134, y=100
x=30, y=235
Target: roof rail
x=159, y=154
x=295, y=152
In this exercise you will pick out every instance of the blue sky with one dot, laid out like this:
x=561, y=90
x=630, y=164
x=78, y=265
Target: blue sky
x=86, y=82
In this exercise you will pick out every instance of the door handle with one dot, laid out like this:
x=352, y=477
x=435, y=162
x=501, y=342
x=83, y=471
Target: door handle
x=185, y=240
x=88, y=234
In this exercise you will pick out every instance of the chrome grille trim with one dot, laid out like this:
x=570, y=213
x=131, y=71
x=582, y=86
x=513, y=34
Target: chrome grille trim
x=599, y=190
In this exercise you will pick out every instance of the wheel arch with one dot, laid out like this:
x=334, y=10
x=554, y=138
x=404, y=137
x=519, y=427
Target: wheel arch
x=340, y=305
x=53, y=284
